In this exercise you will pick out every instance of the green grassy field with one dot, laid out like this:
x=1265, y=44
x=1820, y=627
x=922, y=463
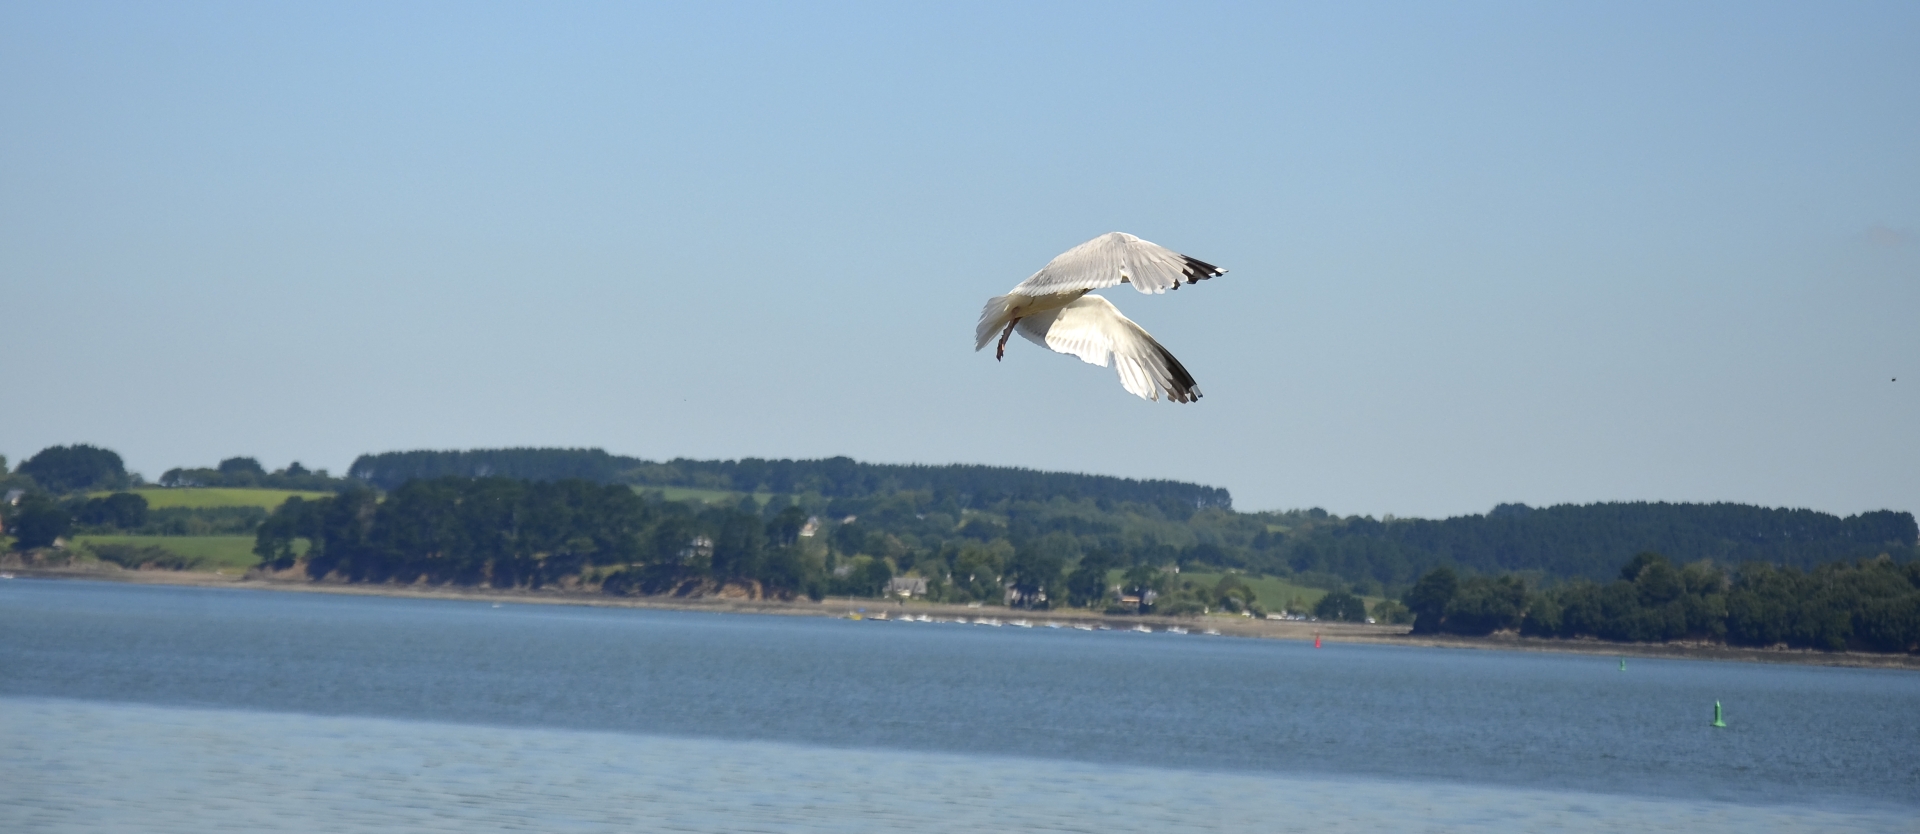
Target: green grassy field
x=160, y=497
x=1273, y=594
x=230, y=554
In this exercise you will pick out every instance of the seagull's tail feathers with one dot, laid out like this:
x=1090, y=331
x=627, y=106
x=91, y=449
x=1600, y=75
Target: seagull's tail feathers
x=993, y=317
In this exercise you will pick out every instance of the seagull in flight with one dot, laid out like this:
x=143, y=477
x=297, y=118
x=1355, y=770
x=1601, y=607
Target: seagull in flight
x=1053, y=310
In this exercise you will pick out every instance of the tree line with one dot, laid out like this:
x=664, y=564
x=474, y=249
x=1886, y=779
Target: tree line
x=42, y=495
x=1189, y=524
x=247, y=473
x=1866, y=604
x=64, y=469
x=1590, y=540
x=1805, y=578
x=1010, y=541
x=505, y=532
x=837, y=477
x=40, y=520
x=511, y=533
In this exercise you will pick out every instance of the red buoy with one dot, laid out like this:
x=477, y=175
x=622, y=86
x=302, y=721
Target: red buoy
x=1316, y=639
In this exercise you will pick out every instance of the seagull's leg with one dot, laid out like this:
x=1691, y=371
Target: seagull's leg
x=1000, y=352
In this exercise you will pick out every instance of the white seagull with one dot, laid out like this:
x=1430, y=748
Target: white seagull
x=1053, y=310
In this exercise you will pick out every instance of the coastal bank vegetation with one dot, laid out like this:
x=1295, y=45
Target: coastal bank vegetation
x=1865, y=605
x=587, y=520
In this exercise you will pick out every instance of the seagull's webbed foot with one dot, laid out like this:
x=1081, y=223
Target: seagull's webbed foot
x=1000, y=352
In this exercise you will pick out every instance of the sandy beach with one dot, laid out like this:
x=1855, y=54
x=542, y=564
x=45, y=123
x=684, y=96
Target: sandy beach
x=1327, y=632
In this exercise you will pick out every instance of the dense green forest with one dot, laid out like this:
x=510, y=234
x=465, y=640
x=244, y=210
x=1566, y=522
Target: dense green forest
x=832, y=477
x=1869, y=604
x=1590, y=540
x=1188, y=523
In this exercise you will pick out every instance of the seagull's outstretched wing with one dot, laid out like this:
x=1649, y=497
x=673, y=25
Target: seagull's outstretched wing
x=1117, y=258
x=1093, y=329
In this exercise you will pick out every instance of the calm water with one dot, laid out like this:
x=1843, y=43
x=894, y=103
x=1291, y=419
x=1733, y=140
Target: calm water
x=171, y=709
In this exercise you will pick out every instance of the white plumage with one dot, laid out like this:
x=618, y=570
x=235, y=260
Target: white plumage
x=1052, y=309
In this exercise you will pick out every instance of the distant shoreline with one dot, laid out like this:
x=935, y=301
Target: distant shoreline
x=1332, y=632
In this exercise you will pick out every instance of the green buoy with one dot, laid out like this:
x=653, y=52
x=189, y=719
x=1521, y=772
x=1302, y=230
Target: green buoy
x=1717, y=722
x=1623, y=664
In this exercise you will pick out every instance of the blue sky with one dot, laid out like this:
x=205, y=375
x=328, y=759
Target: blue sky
x=1478, y=252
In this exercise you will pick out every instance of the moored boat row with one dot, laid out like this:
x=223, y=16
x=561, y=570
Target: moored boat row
x=996, y=622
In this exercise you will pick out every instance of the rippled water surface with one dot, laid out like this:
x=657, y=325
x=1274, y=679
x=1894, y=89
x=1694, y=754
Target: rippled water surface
x=129, y=708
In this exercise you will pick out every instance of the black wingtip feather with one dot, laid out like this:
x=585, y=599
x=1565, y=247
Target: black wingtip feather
x=1198, y=270
x=1183, y=389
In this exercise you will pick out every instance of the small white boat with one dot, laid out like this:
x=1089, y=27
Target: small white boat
x=1212, y=631
x=1081, y=627
x=1053, y=625
x=1142, y=629
x=6, y=576
x=1021, y=624
x=1176, y=630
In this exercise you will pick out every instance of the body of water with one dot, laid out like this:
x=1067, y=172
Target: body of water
x=142, y=708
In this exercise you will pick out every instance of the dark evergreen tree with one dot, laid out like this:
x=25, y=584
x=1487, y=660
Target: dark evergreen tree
x=1429, y=598
x=1087, y=585
x=38, y=522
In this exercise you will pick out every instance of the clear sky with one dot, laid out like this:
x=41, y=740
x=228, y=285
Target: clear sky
x=1539, y=252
